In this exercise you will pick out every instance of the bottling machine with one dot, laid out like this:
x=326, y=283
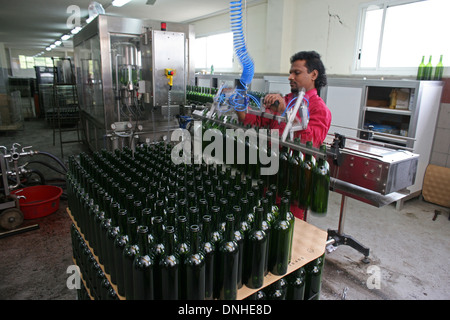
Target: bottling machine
x=123, y=69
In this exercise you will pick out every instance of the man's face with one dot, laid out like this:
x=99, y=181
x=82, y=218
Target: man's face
x=300, y=78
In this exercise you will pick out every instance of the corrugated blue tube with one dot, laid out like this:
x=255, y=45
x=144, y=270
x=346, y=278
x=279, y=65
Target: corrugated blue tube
x=248, y=68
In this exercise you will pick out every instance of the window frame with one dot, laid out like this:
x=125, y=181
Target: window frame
x=377, y=70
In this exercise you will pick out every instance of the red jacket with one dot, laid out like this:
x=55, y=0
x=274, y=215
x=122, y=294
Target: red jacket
x=319, y=119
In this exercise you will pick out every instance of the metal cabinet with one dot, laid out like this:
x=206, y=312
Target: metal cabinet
x=401, y=113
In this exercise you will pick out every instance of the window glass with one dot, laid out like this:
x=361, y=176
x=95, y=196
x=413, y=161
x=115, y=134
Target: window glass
x=407, y=32
x=216, y=50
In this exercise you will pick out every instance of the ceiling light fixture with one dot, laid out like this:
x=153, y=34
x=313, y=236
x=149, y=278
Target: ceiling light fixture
x=119, y=3
x=58, y=43
x=65, y=37
x=48, y=48
x=75, y=30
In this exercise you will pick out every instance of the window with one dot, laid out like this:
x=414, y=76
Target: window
x=394, y=35
x=30, y=62
x=216, y=50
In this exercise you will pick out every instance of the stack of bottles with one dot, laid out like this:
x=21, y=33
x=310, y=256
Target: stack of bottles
x=308, y=179
x=201, y=95
x=167, y=231
x=301, y=284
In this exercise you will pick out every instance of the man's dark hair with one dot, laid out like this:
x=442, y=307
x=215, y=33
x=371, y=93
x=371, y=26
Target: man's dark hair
x=313, y=62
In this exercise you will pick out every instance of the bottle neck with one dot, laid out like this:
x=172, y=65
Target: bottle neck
x=170, y=240
x=195, y=239
x=132, y=229
x=206, y=230
x=259, y=218
x=142, y=233
x=229, y=229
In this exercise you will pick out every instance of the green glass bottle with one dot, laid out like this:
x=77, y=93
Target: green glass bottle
x=296, y=284
x=182, y=248
x=113, y=232
x=228, y=263
x=209, y=252
x=256, y=253
x=130, y=251
x=296, y=164
x=439, y=70
x=305, y=179
x=313, y=278
x=239, y=238
x=290, y=218
x=105, y=224
x=428, y=71
x=267, y=225
x=170, y=267
x=159, y=250
x=216, y=238
x=280, y=241
x=283, y=172
x=320, y=186
x=421, y=69
x=143, y=268
x=120, y=242
x=195, y=275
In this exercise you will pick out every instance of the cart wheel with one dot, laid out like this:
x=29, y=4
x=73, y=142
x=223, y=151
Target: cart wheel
x=11, y=218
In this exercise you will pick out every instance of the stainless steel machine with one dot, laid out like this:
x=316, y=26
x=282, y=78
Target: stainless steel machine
x=123, y=69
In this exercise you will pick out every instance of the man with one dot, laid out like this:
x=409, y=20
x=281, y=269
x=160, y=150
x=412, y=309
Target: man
x=307, y=71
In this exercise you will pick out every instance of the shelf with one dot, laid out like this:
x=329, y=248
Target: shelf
x=308, y=244
x=388, y=110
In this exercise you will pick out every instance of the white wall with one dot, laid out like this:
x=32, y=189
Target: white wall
x=277, y=29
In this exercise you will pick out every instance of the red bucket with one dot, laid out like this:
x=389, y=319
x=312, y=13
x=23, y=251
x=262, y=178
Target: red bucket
x=39, y=201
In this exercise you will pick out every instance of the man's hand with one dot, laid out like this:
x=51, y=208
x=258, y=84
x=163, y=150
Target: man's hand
x=274, y=102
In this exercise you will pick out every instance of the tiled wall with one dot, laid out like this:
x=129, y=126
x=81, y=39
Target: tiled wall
x=440, y=153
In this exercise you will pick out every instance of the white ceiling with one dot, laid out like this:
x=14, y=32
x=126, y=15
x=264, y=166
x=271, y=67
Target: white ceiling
x=33, y=24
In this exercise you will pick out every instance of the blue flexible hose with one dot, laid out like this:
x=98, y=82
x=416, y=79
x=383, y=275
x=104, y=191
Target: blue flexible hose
x=248, y=68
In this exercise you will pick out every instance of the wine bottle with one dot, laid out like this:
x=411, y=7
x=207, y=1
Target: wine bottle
x=439, y=70
x=120, y=242
x=130, y=251
x=216, y=238
x=182, y=248
x=170, y=267
x=143, y=268
x=209, y=251
x=280, y=241
x=256, y=252
x=228, y=263
x=113, y=232
x=428, y=70
x=313, y=278
x=296, y=284
x=320, y=186
x=239, y=238
x=305, y=179
x=195, y=266
x=159, y=250
x=421, y=70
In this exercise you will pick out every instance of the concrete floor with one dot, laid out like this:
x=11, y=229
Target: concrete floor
x=409, y=252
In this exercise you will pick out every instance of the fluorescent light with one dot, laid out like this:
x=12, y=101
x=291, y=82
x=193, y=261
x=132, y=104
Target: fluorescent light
x=48, y=48
x=58, y=43
x=119, y=3
x=65, y=37
x=75, y=30
x=52, y=46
